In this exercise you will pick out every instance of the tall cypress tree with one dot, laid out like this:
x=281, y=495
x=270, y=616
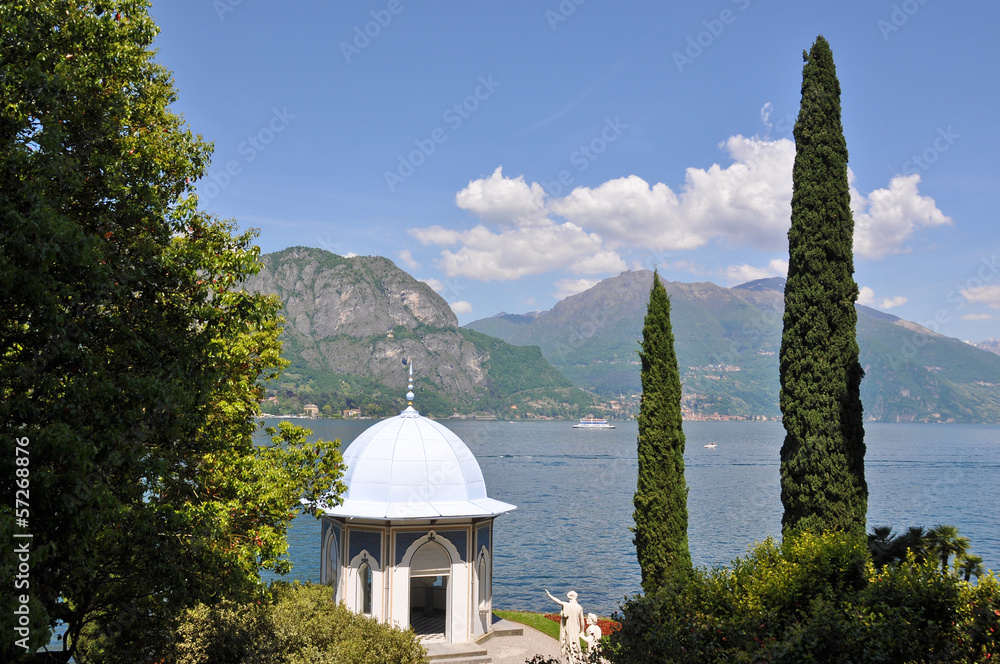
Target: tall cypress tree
x=661, y=518
x=822, y=459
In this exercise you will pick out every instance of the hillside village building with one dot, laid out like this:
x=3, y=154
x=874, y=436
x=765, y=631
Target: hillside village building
x=412, y=542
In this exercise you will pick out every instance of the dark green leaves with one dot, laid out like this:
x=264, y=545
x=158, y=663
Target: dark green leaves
x=661, y=492
x=822, y=459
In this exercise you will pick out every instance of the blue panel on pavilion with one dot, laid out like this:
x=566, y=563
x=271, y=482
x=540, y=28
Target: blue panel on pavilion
x=365, y=540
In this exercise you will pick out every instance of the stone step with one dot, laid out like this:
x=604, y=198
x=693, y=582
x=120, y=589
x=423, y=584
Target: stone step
x=506, y=628
x=456, y=653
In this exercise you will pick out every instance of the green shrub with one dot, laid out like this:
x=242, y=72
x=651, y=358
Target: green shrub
x=813, y=598
x=300, y=625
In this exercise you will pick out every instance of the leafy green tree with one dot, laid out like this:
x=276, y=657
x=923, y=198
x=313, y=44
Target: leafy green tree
x=822, y=459
x=299, y=624
x=661, y=518
x=131, y=360
x=812, y=598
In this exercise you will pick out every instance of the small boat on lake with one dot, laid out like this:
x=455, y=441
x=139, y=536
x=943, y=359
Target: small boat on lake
x=591, y=422
x=711, y=446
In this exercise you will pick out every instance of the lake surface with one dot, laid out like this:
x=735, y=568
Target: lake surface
x=573, y=489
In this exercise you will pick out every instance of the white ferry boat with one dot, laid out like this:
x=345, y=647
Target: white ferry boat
x=591, y=422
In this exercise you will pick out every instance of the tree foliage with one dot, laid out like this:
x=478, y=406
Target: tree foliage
x=661, y=518
x=131, y=359
x=813, y=598
x=299, y=625
x=822, y=459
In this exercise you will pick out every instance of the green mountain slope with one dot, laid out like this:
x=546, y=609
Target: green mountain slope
x=727, y=342
x=352, y=323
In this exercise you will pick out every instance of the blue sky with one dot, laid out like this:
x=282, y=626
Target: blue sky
x=513, y=153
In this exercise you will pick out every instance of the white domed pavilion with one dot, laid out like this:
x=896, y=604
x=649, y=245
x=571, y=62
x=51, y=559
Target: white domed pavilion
x=412, y=542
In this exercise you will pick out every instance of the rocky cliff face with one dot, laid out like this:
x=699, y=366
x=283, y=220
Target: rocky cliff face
x=326, y=295
x=363, y=317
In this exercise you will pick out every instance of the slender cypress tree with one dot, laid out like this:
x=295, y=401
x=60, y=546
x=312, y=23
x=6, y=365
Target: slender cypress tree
x=661, y=517
x=822, y=459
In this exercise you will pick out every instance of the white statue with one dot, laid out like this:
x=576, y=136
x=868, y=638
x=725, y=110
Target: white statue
x=571, y=627
x=593, y=634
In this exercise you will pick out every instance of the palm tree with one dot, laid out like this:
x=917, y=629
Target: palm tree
x=886, y=547
x=970, y=565
x=945, y=542
x=882, y=543
x=915, y=540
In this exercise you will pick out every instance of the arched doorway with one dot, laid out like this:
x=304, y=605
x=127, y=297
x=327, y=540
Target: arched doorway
x=484, y=593
x=430, y=572
x=330, y=571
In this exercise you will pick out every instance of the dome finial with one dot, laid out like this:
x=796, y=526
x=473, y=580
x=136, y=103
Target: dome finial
x=409, y=387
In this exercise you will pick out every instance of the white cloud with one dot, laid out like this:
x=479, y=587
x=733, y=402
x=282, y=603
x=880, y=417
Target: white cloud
x=744, y=204
x=988, y=295
x=461, y=307
x=567, y=287
x=688, y=266
x=866, y=297
x=748, y=202
x=435, y=284
x=436, y=235
x=351, y=254
x=977, y=317
x=505, y=201
x=515, y=253
x=765, y=114
x=407, y=258
x=739, y=274
x=887, y=218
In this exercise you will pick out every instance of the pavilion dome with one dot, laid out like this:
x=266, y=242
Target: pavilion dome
x=411, y=467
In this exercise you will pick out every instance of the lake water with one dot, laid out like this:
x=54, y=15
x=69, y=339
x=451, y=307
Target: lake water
x=573, y=489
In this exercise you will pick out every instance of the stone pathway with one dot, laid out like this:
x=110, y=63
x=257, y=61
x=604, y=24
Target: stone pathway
x=511, y=643
x=518, y=649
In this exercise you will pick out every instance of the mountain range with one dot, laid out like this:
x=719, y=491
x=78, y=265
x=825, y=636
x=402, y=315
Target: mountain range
x=992, y=345
x=353, y=323
x=727, y=342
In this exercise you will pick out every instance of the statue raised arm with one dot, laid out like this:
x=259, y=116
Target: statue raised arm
x=571, y=626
